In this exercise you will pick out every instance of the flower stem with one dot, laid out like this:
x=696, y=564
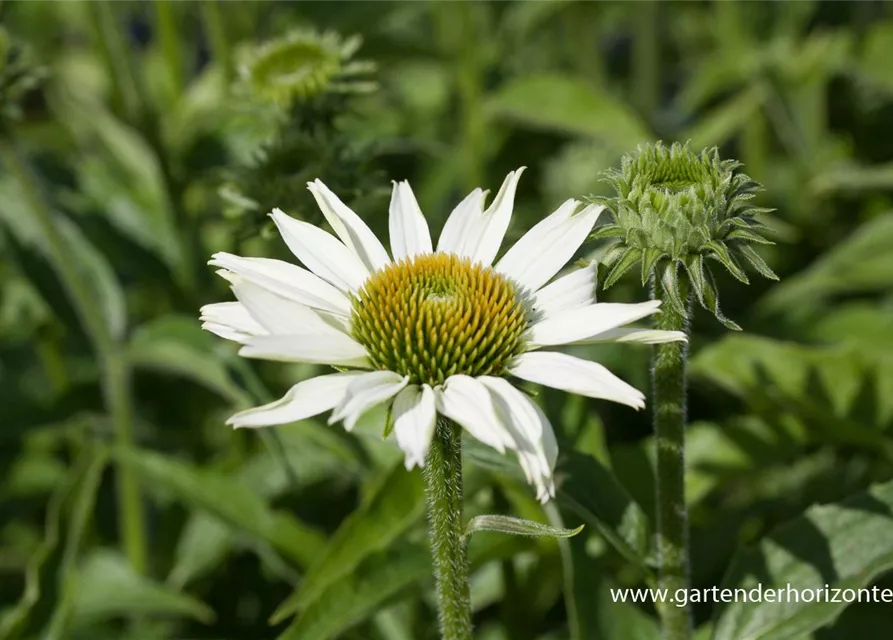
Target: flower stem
x=443, y=480
x=668, y=388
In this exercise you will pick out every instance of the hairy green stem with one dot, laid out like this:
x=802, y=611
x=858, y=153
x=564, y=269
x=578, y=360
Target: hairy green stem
x=443, y=480
x=668, y=393
x=113, y=363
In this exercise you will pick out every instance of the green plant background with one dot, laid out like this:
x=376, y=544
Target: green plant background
x=133, y=149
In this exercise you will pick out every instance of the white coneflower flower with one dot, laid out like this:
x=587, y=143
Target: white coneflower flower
x=430, y=331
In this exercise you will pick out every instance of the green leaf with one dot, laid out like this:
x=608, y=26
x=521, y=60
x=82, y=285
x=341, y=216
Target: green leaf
x=365, y=590
x=99, y=277
x=120, y=173
x=76, y=496
x=859, y=263
x=757, y=262
x=228, y=500
x=568, y=105
x=517, y=527
x=591, y=612
x=844, y=545
x=710, y=295
x=630, y=257
x=177, y=345
x=823, y=382
x=106, y=587
x=396, y=504
x=719, y=252
x=610, y=509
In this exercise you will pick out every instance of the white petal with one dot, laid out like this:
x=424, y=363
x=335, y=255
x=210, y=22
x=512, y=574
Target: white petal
x=561, y=371
x=452, y=238
x=583, y=322
x=279, y=315
x=353, y=232
x=304, y=400
x=321, y=252
x=484, y=237
x=287, y=280
x=548, y=246
x=415, y=417
x=536, y=444
x=327, y=347
x=467, y=402
x=367, y=391
x=230, y=320
x=408, y=227
x=645, y=336
x=576, y=289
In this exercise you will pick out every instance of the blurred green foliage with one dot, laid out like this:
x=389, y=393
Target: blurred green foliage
x=137, y=141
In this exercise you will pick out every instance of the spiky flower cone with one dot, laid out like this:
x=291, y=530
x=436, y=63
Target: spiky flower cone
x=674, y=211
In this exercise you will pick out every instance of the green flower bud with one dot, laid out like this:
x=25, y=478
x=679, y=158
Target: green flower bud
x=303, y=64
x=673, y=211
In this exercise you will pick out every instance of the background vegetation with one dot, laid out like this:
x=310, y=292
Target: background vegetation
x=138, y=138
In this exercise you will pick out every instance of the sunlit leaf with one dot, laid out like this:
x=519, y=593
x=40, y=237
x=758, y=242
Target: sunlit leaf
x=570, y=105
x=841, y=546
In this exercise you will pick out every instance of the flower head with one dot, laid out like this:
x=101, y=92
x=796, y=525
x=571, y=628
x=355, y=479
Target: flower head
x=428, y=330
x=676, y=208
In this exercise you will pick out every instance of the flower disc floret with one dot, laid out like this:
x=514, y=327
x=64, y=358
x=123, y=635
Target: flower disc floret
x=436, y=315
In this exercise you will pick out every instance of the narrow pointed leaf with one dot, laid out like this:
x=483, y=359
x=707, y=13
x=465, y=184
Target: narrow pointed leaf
x=711, y=302
x=650, y=259
x=720, y=253
x=517, y=527
x=395, y=505
x=669, y=281
x=695, y=268
x=626, y=261
x=747, y=235
x=606, y=231
x=757, y=262
x=369, y=586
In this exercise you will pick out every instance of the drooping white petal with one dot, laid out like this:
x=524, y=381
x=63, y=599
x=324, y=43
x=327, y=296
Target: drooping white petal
x=583, y=322
x=415, y=417
x=548, y=246
x=230, y=320
x=287, y=280
x=585, y=378
x=279, y=315
x=314, y=347
x=452, y=238
x=467, y=401
x=484, y=236
x=321, y=252
x=353, y=232
x=304, y=400
x=629, y=334
x=364, y=393
x=576, y=289
x=536, y=444
x=409, y=229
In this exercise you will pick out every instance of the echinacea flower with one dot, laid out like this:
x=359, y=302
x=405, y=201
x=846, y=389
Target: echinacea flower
x=430, y=330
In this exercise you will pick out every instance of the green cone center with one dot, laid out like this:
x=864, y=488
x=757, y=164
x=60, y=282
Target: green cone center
x=437, y=315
